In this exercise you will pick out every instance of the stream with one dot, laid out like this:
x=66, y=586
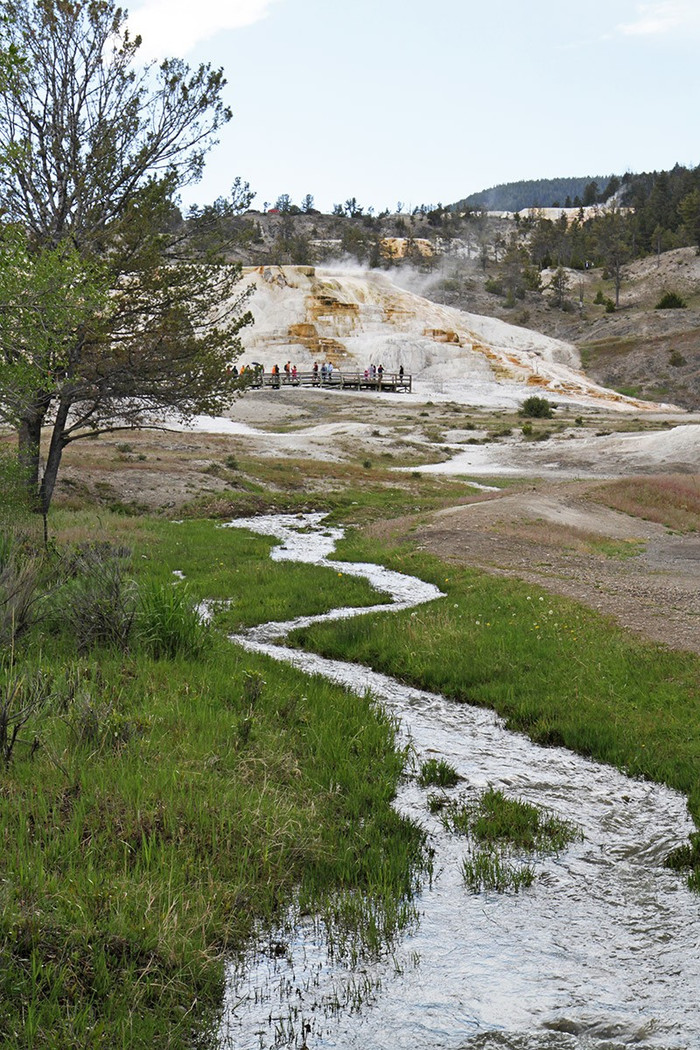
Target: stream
x=601, y=953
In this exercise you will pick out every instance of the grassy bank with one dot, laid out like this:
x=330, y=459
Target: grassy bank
x=154, y=808
x=553, y=669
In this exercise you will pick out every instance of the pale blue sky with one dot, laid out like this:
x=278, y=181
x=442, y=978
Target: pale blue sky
x=389, y=100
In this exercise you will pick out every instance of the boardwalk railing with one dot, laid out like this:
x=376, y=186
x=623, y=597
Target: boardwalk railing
x=335, y=380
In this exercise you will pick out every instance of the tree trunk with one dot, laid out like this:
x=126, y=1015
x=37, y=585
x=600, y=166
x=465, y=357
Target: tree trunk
x=29, y=449
x=53, y=461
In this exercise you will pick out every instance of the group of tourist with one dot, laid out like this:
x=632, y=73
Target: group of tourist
x=320, y=376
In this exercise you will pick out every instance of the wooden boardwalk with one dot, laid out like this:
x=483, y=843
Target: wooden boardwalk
x=336, y=380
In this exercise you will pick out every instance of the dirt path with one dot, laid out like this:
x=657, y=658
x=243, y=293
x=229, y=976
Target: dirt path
x=642, y=574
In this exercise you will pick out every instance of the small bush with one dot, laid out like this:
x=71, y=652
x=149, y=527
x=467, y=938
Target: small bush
x=97, y=602
x=536, y=408
x=21, y=697
x=603, y=300
x=20, y=574
x=671, y=301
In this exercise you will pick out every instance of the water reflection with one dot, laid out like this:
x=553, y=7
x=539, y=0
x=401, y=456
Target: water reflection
x=603, y=952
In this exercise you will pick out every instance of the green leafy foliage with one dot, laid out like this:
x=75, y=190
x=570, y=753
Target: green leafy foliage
x=536, y=408
x=106, y=318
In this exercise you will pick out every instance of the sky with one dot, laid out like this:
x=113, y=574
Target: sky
x=419, y=102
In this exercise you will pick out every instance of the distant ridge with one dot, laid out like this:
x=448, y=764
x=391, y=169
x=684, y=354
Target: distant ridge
x=533, y=193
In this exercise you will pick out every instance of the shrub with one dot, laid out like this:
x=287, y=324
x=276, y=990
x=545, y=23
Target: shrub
x=603, y=300
x=21, y=697
x=671, y=301
x=98, y=601
x=536, y=408
x=20, y=573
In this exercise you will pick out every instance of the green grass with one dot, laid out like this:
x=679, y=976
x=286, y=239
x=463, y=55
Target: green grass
x=485, y=870
x=618, y=549
x=557, y=671
x=438, y=773
x=353, y=493
x=495, y=820
x=500, y=830
x=156, y=808
x=231, y=565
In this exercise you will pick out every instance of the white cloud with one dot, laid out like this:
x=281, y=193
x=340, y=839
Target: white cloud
x=174, y=27
x=664, y=16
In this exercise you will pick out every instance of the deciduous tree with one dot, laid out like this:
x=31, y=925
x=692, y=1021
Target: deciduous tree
x=94, y=149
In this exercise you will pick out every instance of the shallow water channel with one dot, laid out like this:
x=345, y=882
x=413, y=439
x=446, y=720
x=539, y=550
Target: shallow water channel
x=602, y=952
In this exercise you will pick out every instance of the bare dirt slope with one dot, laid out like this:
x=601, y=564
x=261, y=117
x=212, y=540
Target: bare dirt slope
x=654, y=354
x=642, y=574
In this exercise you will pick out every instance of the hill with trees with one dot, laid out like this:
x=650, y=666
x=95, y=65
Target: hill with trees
x=542, y=193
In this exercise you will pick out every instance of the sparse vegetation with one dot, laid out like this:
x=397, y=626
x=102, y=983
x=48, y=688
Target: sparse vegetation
x=485, y=870
x=494, y=820
x=501, y=830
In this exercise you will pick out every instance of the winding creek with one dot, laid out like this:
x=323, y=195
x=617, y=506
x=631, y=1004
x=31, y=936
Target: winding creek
x=603, y=952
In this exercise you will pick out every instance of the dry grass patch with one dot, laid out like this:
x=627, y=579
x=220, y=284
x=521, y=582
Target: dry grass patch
x=672, y=500
x=542, y=533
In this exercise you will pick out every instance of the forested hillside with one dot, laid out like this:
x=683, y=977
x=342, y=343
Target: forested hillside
x=541, y=193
